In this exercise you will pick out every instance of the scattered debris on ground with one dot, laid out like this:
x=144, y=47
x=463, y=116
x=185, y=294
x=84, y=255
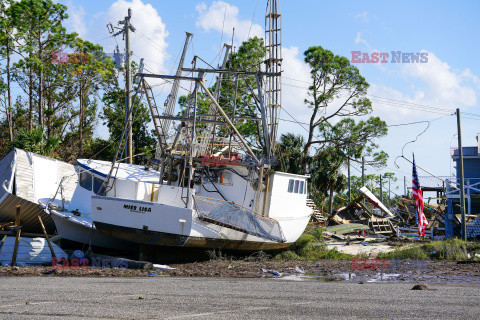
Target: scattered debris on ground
x=356, y=270
x=368, y=216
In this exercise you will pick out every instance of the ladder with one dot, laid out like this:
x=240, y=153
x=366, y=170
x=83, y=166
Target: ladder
x=157, y=123
x=381, y=225
x=316, y=214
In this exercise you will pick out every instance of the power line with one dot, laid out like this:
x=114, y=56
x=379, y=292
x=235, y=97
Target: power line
x=396, y=102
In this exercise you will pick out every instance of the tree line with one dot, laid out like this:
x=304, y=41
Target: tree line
x=53, y=85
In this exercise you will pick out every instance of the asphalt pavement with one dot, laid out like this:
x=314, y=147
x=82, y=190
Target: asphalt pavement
x=229, y=298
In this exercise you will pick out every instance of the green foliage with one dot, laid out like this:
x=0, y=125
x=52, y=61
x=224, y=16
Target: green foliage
x=333, y=132
x=57, y=96
x=354, y=139
x=287, y=255
x=311, y=245
x=408, y=253
x=332, y=77
x=236, y=93
x=451, y=249
x=114, y=118
x=372, y=182
x=316, y=232
x=289, y=152
x=36, y=141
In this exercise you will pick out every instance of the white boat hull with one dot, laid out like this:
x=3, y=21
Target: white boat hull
x=163, y=225
x=82, y=232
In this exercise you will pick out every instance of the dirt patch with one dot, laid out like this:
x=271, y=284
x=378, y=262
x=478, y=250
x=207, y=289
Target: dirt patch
x=368, y=249
x=366, y=270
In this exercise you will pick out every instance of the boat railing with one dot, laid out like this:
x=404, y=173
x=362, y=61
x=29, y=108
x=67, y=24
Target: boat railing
x=51, y=202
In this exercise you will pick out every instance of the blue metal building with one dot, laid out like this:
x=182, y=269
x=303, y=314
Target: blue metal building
x=471, y=168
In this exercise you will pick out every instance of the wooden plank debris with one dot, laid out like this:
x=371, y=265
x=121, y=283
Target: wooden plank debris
x=46, y=237
x=18, y=233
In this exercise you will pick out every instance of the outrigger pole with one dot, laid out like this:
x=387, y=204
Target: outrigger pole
x=200, y=81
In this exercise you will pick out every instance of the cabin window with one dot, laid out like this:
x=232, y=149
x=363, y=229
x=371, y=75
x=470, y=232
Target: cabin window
x=98, y=187
x=297, y=186
x=86, y=180
x=290, y=185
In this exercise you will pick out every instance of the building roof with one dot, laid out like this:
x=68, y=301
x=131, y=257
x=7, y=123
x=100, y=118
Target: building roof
x=467, y=152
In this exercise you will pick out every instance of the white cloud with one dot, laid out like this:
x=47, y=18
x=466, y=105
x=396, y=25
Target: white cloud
x=296, y=78
x=433, y=84
x=76, y=19
x=149, y=39
x=359, y=39
x=223, y=16
x=444, y=85
x=364, y=16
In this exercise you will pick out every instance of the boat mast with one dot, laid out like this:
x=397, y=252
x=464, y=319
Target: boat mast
x=273, y=85
x=172, y=97
x=209, y=132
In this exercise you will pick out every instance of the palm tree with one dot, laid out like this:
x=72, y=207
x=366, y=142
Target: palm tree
x=326, y=177
x=290, y=156
x=35, y=141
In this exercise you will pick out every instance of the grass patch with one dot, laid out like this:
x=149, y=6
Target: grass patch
x=415, y=253
x=311, y=245
x=451, y=249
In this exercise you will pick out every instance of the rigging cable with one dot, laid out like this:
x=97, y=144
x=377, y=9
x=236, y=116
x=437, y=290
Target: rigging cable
x=223, y=26
x=251, y=21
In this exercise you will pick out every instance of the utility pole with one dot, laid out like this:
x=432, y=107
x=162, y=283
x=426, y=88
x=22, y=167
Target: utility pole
x=127, y=27
x=128, y=88
x=363, y=171
x=389, y=190
x=349, y=183
x=462, y=180
x=363, y=176
x=81, y=119
x=381, y=189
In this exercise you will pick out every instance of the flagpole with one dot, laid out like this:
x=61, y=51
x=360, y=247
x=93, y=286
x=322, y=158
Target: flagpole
x=462, y=180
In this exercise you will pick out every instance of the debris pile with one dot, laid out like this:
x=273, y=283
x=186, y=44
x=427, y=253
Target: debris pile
x=367, y=215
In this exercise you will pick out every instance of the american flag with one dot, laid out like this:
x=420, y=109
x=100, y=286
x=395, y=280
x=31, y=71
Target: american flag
x=418, y=197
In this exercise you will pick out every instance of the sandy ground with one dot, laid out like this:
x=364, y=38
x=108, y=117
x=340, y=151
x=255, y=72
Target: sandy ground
x=369, y=249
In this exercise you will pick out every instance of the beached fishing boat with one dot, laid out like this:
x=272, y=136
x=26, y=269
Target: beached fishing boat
x=211, y=190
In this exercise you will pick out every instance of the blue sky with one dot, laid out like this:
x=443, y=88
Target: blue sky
x=446, y=30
